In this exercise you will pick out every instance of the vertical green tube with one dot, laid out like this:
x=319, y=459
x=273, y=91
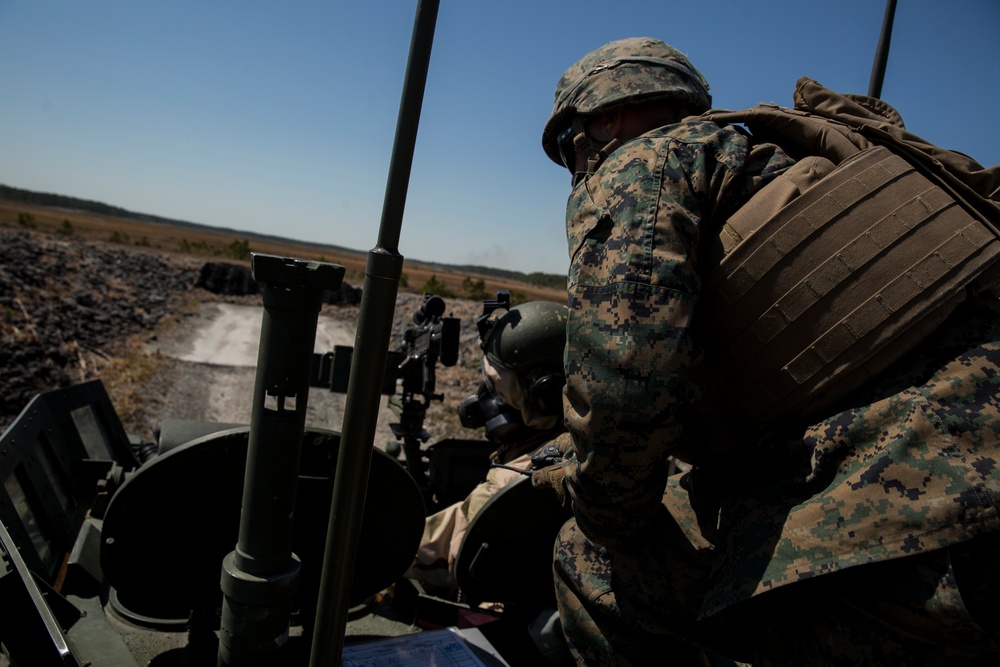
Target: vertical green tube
x=378, y=302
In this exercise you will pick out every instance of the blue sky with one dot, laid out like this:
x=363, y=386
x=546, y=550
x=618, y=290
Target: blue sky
x=279, y=117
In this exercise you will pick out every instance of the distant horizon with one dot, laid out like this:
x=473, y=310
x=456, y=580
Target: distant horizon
x=152, y=217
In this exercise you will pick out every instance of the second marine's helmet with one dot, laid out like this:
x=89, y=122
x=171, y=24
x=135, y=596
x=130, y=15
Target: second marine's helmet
x=529, y=339
x=627, y=71
x=523, y=372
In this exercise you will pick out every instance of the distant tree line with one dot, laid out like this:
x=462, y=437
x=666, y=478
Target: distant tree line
x=470, y=289
x=550, y=280
x=239, y=249
x=62, y=201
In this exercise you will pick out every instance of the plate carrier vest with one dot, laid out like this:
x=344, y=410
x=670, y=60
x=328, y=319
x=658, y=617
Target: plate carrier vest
x=848, y=259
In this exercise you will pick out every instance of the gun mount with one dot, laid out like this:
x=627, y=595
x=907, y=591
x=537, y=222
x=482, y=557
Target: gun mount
x=433, y=338
x=412, y=373
x=114, y=547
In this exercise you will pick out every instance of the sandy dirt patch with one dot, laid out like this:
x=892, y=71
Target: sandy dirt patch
x=217, y=351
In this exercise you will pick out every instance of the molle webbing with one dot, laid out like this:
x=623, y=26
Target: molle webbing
x=817, y=292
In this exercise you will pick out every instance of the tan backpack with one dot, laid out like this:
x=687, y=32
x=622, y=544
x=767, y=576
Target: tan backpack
x=846, y=261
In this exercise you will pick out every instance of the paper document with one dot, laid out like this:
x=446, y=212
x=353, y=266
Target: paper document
x=436, y=648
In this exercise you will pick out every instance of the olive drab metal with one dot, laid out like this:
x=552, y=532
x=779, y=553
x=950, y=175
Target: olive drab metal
x=382, y=274
x=260, y=576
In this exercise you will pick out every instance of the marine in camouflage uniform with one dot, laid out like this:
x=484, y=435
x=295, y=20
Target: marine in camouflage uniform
x=870, y=537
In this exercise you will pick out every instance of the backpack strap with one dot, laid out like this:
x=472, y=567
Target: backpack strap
x=799, y=133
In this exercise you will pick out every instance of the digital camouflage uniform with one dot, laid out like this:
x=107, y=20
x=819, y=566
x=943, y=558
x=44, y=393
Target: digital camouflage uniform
x=903, y=481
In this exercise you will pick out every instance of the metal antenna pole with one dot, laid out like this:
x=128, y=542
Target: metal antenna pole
x=371, y=344
x=882, y=51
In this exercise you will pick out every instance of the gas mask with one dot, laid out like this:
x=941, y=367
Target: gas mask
x=501, y=423
x=502, y=407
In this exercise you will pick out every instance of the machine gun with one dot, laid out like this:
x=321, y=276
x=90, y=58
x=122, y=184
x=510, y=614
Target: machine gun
x=433, y=339
x=412, y=370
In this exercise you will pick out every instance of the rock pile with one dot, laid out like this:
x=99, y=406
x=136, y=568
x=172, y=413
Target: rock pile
x=62, y=298
x=237, y=280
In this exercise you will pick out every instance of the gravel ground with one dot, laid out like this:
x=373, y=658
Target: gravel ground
x=194, y=386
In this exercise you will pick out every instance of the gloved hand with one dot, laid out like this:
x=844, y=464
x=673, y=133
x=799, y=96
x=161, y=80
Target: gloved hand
x=553, y=452
x=553, y=477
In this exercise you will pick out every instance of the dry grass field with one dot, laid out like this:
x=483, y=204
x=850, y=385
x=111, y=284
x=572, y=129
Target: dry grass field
x=215, y=244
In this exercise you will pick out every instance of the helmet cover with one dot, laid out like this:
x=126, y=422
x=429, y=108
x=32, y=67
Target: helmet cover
x=626, y=71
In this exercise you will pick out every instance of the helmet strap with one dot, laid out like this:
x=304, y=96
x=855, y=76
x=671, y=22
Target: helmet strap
x=602, y=154
x=594, y=151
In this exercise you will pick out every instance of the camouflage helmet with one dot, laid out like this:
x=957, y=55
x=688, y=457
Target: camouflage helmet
x=622, y=72
x=528, y=336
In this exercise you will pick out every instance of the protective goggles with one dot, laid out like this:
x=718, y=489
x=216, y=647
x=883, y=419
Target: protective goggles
x=565, y=143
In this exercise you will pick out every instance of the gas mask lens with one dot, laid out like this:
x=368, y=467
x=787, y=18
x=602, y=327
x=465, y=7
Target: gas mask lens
x=484, y=405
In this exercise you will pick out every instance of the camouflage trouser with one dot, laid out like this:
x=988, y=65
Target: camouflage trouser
x=935, y=608
x=633, y=608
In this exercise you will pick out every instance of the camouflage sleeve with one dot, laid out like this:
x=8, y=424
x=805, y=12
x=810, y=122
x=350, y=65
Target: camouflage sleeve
x=633, y=230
